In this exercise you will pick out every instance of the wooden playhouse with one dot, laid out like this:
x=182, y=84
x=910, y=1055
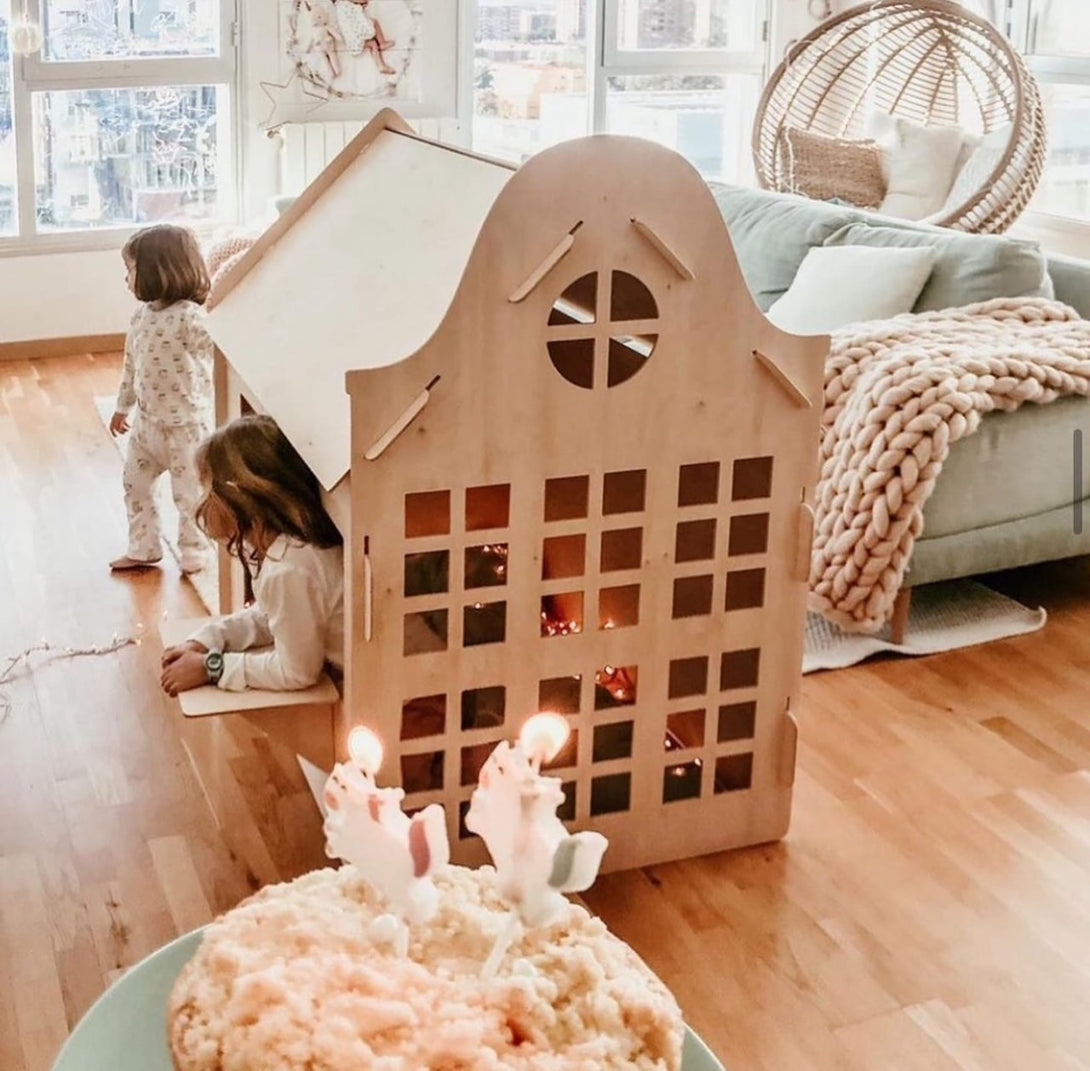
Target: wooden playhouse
x=571, y=461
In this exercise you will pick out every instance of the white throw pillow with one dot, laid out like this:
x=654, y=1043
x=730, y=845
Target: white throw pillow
x=922, y=162
x=982, y=160
x=838, y=285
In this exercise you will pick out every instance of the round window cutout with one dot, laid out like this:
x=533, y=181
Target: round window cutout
x=612, y=353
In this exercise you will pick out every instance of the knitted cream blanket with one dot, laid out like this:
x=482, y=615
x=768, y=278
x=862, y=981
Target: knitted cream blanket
x=898, y=395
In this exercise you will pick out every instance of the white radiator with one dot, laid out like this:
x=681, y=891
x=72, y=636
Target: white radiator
x=308, y=147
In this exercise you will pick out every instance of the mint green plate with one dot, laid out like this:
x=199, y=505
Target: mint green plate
x=126, y=1029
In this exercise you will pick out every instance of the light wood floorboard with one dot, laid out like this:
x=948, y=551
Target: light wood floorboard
x=928, y=908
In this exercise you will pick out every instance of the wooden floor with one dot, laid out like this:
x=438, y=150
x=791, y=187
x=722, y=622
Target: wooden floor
x=928, y=910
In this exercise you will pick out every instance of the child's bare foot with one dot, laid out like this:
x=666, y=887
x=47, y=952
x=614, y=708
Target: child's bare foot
x=387, y=69
x=125, y=562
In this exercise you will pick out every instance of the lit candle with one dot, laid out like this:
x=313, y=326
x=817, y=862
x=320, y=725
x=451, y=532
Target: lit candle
x=513, y=809
x=365, y=826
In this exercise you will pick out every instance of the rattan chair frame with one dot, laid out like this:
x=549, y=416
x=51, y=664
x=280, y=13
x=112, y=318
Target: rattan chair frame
x=930, y=61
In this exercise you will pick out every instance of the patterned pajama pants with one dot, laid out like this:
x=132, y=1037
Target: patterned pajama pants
x=152, y=450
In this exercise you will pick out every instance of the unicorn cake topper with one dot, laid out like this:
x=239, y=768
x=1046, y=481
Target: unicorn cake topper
x=396, y=854
x=513, y=809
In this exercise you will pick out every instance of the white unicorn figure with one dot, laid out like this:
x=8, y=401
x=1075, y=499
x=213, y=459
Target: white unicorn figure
x=398, y=855
x=513, y=809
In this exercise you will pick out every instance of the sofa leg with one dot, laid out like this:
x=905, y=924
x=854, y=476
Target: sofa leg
x=898, y=623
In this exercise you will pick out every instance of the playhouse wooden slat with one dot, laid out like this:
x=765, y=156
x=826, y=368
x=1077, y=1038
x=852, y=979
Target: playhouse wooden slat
x=364, y=283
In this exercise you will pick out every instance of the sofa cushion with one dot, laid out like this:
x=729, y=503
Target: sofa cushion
x=969, y=267
x=838, y=285
x=773, y=232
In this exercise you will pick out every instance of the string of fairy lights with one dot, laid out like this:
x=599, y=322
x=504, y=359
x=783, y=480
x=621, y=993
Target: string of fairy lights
x=10, y=670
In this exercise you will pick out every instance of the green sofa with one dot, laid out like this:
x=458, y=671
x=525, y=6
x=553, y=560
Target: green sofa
x=1005, y=497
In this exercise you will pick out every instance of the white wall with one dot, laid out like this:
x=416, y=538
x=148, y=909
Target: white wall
x=58, y=295
x=61, y=295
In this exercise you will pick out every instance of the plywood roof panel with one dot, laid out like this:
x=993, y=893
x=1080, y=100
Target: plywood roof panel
x=361, y=280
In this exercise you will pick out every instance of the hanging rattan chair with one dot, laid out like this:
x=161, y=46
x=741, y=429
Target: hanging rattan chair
x=929, y=61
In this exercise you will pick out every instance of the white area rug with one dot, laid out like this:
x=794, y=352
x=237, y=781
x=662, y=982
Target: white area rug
x=205, y=582
x=943, y=617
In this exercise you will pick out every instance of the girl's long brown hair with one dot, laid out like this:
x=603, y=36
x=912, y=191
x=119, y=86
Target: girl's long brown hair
x=167, y=265
x=253, y=471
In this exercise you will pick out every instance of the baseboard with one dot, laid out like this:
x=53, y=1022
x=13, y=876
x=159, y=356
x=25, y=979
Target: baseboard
x=61, y=347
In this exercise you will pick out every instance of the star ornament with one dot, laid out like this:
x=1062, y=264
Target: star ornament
x=281, y=98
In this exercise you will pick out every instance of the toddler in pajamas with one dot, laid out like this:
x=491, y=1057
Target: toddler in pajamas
x=165, y=399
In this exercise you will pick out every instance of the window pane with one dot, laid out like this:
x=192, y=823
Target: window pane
x=1060, y=27
x=529, y=77
x=7, y=134
x=121, y=29
x=687, y=24
x=105, y=157
x=1065, y=186
x=706, y=118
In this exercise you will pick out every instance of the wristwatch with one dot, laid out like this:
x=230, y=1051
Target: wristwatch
x=213, y=663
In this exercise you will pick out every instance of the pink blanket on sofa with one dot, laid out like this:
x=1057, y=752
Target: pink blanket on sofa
x=898, y=394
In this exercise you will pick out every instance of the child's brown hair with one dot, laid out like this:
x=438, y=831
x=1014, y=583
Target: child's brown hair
x=167, y=265
x=258, y=477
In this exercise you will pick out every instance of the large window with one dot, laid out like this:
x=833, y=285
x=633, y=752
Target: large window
x=122, y=117
x=1054, y=37
x=685, y=73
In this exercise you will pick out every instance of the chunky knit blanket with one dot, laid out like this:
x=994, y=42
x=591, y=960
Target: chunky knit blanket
x=898, y=394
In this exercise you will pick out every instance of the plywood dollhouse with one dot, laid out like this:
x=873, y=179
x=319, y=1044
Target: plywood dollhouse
x=571, y=466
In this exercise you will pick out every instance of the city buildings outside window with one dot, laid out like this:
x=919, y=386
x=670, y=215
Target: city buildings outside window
x=685, y=73
x=121, y=118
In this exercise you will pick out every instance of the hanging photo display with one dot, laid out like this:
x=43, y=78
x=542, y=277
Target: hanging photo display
x=358, y=49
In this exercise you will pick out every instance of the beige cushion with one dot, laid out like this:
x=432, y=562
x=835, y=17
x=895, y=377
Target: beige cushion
x=826, y=168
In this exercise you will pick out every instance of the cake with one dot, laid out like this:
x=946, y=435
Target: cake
x=307, y=976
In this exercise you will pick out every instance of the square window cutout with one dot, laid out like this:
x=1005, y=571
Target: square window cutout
x=752, y=478
x=488, y=507
x=424, y=715
x=681, y=782
x=567, y=498
x=692, y=596
x=560, y=695
x=562, y=614
x=624, y=492
x=483, y=708
x=610, y=793
x=427, y=573
x=739, y=669
x=427, y=513
x=745, y=589
x=748, y=534
x=694, y=541
x=698, y=485
x=688, y=676
x=563, y=556
x=622, y=548
x=484, y=622
x=425, y=632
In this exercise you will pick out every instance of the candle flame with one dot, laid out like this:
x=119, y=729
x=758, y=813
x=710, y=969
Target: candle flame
x=542, y=736
x=365, y=749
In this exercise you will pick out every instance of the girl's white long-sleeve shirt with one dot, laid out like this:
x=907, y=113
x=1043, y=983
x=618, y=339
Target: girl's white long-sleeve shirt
x=294, y=627
x=168, y=365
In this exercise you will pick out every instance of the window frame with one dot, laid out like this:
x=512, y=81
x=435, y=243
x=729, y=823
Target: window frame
x=604, y=60
x=33, y=74
x=1020, y=22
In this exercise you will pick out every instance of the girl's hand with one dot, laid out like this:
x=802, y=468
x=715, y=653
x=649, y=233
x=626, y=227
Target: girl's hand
x=172, y=654
x=119, y=424
x=184, y=672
